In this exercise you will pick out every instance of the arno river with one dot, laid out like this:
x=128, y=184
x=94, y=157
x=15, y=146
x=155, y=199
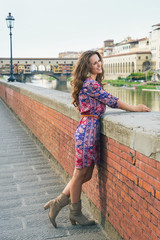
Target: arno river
x=130, y=96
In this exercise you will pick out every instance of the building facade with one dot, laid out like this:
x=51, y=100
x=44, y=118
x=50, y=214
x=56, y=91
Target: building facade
x=155, y=46
x=126, y=57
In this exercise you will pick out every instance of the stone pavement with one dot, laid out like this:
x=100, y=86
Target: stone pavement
x=27, y=181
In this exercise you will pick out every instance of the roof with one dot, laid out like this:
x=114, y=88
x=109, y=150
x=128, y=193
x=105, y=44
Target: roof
x=158, y=24
x=131, y=53
x=109, y=40
x=132, y=41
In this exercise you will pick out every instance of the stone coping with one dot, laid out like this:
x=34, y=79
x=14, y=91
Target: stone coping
x=139, y=131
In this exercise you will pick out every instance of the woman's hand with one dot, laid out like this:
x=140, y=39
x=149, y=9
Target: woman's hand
x=142, y=108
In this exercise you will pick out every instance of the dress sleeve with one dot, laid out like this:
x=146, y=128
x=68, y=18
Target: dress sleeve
x=94, y=90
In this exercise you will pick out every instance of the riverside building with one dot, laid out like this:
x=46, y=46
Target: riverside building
x=126, y=57
x=140, y=55
x=155, y=46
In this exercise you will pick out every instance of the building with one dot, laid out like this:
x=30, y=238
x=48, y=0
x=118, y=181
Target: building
x=128, y=56
x=63, y=68
x=155, y=46
x=69, y=54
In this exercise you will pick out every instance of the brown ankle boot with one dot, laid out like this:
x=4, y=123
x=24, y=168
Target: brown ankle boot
x=76, y=216
x=55, y=206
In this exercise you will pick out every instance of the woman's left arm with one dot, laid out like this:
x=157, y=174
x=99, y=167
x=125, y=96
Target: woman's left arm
x=138, y=108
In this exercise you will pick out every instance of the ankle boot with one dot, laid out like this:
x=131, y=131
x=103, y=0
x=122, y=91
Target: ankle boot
x=55, y=206
x=76, y=216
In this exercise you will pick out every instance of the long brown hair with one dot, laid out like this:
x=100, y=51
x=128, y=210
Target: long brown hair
x=80, y=74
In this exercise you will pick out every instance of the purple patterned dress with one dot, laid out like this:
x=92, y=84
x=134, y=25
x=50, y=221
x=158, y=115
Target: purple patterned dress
x=92, y=101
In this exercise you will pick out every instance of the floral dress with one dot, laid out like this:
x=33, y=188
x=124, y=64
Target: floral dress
x=92, y=101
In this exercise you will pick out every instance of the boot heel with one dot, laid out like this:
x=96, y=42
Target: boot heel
x=73, y=222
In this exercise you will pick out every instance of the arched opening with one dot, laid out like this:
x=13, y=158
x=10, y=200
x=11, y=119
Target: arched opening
x=111, y=68
x=34, y=68
x=132, y=70
x=48, y=68
x=41, y=68
x=146, y=66
x=123, y=68
x=129, y=67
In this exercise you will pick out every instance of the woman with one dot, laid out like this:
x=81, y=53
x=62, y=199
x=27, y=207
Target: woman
x=91, y=100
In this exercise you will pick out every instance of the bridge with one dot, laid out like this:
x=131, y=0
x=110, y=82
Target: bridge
x=60, y=77
x=59, y=68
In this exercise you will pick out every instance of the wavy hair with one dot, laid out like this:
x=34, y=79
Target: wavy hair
x=80, y=73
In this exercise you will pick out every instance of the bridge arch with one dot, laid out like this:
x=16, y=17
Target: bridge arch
x=41, y=68
x=48, y=67
x=34, y=68
x=146, y=66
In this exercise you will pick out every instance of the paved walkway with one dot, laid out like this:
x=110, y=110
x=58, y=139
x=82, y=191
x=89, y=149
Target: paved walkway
x=27, y=181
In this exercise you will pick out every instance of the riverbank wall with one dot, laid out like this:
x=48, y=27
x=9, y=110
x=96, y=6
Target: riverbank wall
x=124, y=193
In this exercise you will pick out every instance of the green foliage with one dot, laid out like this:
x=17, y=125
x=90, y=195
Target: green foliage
x=140, y=76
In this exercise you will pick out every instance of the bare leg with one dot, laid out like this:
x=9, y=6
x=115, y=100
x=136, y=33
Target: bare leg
x=88, y=176
x=79, y=177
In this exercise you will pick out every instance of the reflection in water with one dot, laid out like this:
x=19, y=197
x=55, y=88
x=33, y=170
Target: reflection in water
x=134, y=97
x=130, y=96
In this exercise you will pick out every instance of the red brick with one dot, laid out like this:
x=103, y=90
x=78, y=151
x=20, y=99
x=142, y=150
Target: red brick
x=146, y=186
x=153, y=172
x=155, y=229
x=135, y=213
x=127, y=157
x=125, y=148
x=154, y=236
x=124, y=171
x=114, y=149
x=158, y=165
x=156, y=184
x=113, y=156
x=125, y=164
x=158, y=194
x=154, y=220
x=141, y=157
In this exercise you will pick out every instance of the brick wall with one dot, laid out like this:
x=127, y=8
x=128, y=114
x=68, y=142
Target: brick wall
x=125, y=187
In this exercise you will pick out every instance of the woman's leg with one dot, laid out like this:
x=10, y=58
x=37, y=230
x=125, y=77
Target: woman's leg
x=79, y=177
x=62, y=200
x=87, y=177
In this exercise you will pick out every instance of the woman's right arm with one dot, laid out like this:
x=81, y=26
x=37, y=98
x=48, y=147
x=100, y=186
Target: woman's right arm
x=138, y=108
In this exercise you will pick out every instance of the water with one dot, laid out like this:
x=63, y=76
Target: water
x=135, y=97
x=128, y=95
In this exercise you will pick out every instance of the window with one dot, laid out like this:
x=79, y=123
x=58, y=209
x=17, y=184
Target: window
x=41, y=61
x=34, y=62
x=49, y=61
x=64, y=61
x=146, y=57
x=1, y=61
x=18, y=62
x=25, y=61
x=139, y=58
x=57, y=62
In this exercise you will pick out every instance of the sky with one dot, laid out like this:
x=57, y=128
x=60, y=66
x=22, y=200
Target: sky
x=45, y=28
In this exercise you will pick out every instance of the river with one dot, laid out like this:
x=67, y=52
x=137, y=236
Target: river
x=128, y=95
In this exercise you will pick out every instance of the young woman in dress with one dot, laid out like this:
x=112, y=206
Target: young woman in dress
x=91, y=100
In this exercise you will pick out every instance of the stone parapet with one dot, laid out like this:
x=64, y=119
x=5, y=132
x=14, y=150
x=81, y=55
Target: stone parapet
x=139, y=131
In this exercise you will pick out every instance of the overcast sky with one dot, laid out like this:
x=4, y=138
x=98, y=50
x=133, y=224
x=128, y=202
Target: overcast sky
x=45, y=28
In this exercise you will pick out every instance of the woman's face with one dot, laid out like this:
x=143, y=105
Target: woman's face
x=95, y=65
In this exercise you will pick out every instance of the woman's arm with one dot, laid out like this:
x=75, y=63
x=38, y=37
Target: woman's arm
x=131, y=108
